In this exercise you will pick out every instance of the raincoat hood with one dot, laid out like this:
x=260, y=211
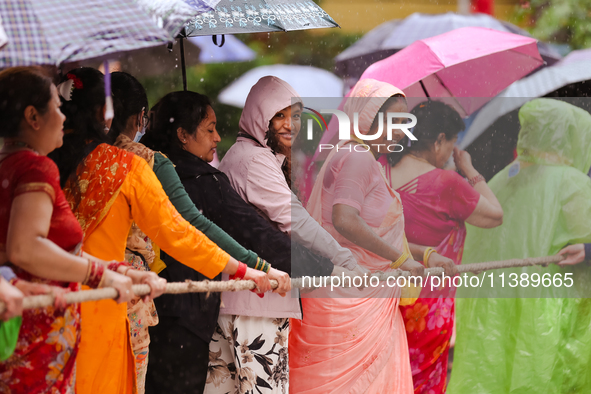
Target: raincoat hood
x=555, y=133
x=366, y=99
x=267, y=97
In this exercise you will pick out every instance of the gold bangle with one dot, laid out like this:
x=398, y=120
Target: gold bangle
x=426, y=254
x=102, y=279
x=403, y=257
x=88, y=269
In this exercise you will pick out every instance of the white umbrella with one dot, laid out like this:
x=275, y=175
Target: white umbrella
x=233, y=50
x=306, y=80
x=3, y=36
x=576, y=67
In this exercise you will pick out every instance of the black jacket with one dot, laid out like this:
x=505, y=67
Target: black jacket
x=212, y=193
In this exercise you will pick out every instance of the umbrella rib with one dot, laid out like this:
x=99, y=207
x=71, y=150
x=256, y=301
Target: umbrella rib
x=447, y=90
x=424, y=89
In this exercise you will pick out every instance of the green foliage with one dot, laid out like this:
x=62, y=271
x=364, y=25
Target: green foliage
x=314, y=48
x=557, y=21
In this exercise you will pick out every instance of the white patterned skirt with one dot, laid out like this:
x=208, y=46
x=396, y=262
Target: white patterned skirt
x=248, y=355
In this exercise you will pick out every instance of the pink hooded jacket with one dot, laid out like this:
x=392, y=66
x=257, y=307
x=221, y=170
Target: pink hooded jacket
x=255, y=173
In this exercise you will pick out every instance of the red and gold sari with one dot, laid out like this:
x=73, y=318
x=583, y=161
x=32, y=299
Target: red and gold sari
x=44, y=360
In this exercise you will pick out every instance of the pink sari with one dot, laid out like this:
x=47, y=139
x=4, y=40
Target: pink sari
x=436, y=204
x=353, y=341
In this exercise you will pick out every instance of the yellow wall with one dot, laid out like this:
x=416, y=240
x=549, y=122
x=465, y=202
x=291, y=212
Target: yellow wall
x=363, y=15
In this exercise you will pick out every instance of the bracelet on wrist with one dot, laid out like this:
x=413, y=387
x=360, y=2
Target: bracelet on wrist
x=240, y=272
x=129, y=267
x=403, y=257
x=114, y=265
x=262, y=265
x=426, y=254
x=474, y=180
x=95, y=275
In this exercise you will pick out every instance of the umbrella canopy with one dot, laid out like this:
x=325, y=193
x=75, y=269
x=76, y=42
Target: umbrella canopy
x=162, y=59
x=392, y=36
x=464, y=68
x=259, y=16
x=469, y=64
x=576, y=67
x=171, y=15
x=307, y=81
x=202, y=5
x=51, y=32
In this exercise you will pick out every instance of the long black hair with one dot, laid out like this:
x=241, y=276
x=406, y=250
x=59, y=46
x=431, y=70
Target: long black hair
x=433, y=118
x=129, y=98
x=84, y=127
x=183, y=109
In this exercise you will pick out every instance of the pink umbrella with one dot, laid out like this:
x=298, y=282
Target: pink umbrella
x=465, y=67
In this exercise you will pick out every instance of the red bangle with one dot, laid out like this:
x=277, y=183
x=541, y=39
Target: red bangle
x=114, y=266
x=473, y=181
x=240, y=272
x=95, y=275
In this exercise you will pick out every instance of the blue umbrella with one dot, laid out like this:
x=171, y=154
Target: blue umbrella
x=52, y=32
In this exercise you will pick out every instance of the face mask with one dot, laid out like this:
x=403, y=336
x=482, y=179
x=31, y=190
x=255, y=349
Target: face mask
x=139, y=134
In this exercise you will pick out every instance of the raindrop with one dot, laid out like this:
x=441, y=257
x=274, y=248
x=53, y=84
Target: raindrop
x=171, y=120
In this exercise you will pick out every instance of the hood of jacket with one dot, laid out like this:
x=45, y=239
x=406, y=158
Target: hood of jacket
x=267, y=97
x=366, y=99
x=555, y=133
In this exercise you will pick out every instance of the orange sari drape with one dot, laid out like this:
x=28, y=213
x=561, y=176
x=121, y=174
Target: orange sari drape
x=113, y=188
x=105, y=362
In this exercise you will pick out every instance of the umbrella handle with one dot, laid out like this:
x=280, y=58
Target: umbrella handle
x=183, y=65
x=215, y=40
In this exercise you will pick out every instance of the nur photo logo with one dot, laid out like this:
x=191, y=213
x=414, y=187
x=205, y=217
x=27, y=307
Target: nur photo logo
x=344, y=124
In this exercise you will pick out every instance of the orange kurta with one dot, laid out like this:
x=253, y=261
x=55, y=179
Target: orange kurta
x=105, y=361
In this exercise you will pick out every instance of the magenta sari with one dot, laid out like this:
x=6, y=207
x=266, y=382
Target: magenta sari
x=436, y=204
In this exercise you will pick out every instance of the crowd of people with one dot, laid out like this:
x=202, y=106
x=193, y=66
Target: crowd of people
x=91, y=202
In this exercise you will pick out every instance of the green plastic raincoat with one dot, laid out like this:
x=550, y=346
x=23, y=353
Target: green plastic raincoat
x=532, y=345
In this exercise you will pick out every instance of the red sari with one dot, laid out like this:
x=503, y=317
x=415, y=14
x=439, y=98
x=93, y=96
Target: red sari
x=436, y=204
x=45, y=356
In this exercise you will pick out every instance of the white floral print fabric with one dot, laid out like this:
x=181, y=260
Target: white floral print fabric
x=248, y=355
